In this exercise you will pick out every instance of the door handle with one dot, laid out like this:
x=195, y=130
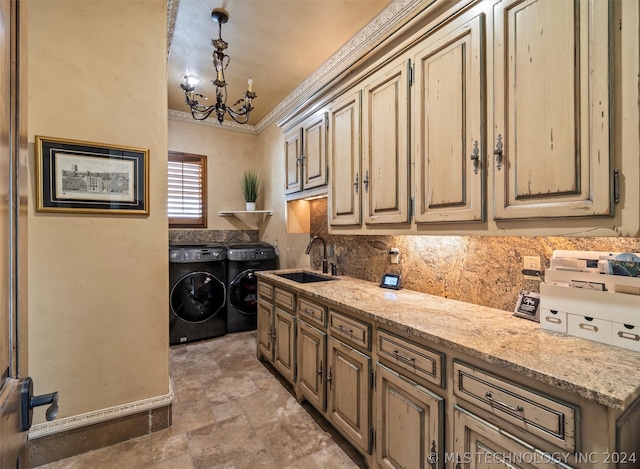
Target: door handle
x=29, y=401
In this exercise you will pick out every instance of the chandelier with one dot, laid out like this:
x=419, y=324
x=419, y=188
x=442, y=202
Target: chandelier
x=240, y=111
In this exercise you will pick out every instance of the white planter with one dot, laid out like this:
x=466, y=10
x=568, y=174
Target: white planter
x=251, y=206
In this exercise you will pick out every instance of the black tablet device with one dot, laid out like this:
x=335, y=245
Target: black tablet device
x=390, y=281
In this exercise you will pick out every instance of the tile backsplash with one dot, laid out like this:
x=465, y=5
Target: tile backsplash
x=484, y=270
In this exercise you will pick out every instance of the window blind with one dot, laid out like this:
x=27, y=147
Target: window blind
x=187, y=190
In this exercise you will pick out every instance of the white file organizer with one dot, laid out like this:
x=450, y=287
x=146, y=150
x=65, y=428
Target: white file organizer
x=604, y=316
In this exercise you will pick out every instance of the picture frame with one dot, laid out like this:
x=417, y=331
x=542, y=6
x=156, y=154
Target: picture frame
x=74, y=176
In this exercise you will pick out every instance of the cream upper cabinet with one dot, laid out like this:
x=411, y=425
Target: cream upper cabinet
x=449, y=125
x=293, y=160
x=314, y=151
x=551, y=109
x=306, y=154
x=385, y=145
x=344, y=160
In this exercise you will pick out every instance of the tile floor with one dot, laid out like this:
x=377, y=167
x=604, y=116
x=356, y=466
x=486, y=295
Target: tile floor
x=229, y=412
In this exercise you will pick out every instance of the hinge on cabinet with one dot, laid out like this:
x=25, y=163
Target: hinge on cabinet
x=412, y=74
x=616, y=186
x=373, y=380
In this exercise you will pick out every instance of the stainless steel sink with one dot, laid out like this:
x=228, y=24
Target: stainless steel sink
x=305, y=277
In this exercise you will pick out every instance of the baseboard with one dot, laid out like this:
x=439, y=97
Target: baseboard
x=66, y=437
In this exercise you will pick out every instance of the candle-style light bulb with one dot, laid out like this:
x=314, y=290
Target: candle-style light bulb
x=250, y=81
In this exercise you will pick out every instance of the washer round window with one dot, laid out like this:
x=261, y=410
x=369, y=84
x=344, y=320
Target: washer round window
x=197, y=297
x=243, y=292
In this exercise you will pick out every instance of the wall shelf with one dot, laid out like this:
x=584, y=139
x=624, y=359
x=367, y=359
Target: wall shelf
x=243, y=219
x=231, y=213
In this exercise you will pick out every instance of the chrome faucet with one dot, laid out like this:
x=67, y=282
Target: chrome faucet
x=325, y=265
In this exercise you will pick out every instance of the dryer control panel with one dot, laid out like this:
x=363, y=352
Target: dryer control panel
x=186, y=254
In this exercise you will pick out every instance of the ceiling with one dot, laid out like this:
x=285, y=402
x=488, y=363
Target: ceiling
x=278, y=42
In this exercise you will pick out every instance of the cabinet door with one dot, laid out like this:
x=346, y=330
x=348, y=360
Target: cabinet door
x=311, y=363
x=344, y=159
x=284, y=344
x=478, y=444
x=449, y=125
x=410, y=423
x=265, y=321
x=292, y=161
x=348, y=389
x=314, y=152
x=551, y=109
x=385, y=146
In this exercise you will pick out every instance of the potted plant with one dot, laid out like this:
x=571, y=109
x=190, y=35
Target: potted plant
x=250, y=186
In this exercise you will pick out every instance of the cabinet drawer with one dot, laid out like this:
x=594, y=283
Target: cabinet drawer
x=285, y=299
x=553, y=320
x=265, y=291
x=311, y=311
x=589, y=328
x=545, y=417
x=626, y=335
x=349, y=329
x=425, y=363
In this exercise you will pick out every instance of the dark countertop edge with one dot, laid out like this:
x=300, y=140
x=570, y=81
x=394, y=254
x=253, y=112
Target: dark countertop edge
x=567, y=386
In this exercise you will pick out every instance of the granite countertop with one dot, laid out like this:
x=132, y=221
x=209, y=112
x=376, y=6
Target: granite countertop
x=602, y=373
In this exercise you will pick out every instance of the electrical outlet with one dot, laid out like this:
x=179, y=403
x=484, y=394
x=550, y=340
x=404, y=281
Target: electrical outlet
x=395, y=255
x=531, y=263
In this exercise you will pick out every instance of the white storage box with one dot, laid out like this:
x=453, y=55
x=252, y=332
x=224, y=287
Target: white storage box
x=607, y=315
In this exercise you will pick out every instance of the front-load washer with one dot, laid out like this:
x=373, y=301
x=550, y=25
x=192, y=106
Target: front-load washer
x=243, y=261
x=197, y=292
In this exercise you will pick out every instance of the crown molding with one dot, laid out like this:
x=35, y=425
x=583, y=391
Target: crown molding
x=395, y=15
x=69, y=423
x=172, y=14
x=186, y=117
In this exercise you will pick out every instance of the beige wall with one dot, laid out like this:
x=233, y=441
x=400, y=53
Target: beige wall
x=290, y=246
x=228, y=154
x=98, y=329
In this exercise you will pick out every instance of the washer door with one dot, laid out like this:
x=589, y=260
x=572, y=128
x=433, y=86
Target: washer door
x=197, y=297
x=243, y=292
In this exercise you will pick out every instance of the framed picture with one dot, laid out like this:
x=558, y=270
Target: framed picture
x=84, y=177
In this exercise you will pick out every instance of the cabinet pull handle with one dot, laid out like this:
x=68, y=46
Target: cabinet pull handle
x=366, y=181
x=308, y=311
x=553, y=320
x=490, y=398
x=344, y=329
x=298, y=161
x=320, y=370
x=402, y=357
x=356, y=183
x=626, y=335
x=475, y=157
x=588, y=327
x=329, y=377
x=497, y=152
x=303, y=157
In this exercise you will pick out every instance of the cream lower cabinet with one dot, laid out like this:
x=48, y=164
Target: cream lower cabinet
x=284, y=343
x=276, y=338
x=265, y=329
x=410, y=423
x=348, y=389
x=479, y=444
x=311, y=364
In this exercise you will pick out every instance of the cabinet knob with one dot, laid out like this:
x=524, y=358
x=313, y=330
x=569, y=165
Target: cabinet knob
x=356, y=183
x=319, y=371
x=366, y=181
x=497, y=152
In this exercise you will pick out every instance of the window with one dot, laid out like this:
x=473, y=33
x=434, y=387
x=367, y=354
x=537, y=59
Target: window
x=187, y=202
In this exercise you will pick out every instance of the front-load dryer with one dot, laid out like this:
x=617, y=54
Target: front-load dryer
x=197, y=292
x=243, y=261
